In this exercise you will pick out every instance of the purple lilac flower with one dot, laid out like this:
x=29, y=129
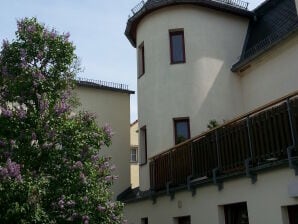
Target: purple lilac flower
x=85, y=199
x=101, y=208
x=6, y=113
x=85, y=219
x=61, y=107
x=112, y=168
x=83, y=178
x=108, y=130
x=78, y=165
x=71, y=203
x=22, y=113
x=5, y=44
x=43, y=105
x=40, y=55
x=11, y=170
x=47, y=145
x=4, y=71
x=95, y=158
x=33, y=136
x=30, y=29
x=2, y=143
x=108, y=178
x=61, y=203
x=39, y=76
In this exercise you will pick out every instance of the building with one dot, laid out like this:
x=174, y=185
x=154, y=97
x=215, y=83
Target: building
x=203, y=60
x=134, y=147
x=111, y=104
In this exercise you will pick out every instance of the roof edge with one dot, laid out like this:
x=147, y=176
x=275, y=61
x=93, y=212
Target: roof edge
x=133, y=21
x=242, y=63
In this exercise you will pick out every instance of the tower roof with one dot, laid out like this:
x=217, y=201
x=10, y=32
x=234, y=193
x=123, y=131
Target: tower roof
x=236, y=7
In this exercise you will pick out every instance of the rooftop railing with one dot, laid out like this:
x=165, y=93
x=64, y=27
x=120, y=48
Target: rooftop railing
x=100, y=83
x=260, y=139
x=234, y=3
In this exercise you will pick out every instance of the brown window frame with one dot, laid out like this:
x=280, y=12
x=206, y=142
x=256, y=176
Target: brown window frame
x=143, y=132
x=175, y=33
x=141, y=60
x=177, y=120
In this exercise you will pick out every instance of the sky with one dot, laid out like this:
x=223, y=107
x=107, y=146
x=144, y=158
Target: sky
x=97, y=30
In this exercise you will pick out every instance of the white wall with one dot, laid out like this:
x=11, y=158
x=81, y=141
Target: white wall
x=271, y=76
x=203, y=88
x=264, y=200
x=113, y=108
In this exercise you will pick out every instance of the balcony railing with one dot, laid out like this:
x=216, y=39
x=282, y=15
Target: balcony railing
x=100, y=83
x=259, y=139
x=144, y=3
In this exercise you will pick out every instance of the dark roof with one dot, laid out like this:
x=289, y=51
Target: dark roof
x=275, y=20
x=97, y=84
x=236, y=7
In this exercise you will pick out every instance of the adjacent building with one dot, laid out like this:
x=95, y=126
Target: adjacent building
x=204, y=60
x=134, y=148
x=111, y=104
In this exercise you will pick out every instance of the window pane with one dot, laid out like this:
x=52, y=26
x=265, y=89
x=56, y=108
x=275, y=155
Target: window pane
x=133, y=155
x=141, y=60
x=177, y=48
x=181, y=130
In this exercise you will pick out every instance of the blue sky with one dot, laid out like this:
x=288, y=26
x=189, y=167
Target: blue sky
x=96, y=28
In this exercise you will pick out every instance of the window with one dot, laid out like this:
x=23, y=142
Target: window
x=293, y=214
x=144, y=220
x=134, y=155
x=236, y=213
x=182, y=220
x=177, y=46
x=143, y=145
x=181, y=130
x=141, y=60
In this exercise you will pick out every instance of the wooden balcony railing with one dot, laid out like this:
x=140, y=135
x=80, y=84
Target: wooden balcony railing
x=265, y=136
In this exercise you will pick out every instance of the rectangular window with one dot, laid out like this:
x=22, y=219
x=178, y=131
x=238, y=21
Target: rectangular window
x=143, y=145
x=134, y=155
x=293, y=214
x=181, y=129
x=236, y=213
x=144, y=221
x=177, y=47
x=141, y=60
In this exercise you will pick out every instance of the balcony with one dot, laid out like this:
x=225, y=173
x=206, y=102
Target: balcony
x=258, y=140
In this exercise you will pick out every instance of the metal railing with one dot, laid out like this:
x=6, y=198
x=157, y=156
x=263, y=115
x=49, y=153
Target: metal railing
x=234, y=3
x=263, y=137
x=93, y=82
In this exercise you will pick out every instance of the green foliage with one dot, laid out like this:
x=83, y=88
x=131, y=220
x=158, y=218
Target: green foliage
x=212, y=124
x=50, y=167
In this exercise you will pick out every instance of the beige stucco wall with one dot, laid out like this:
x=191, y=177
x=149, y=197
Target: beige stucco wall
x=272, y=75
x=113, y=108
x=134, y=167
x=203, y=88
x=134, y=134
x=264, y=200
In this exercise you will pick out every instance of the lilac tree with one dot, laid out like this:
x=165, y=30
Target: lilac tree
x=50, y=167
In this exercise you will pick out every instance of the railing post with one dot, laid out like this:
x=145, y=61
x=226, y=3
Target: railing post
x=291, y=148
x=216, y=171
x=248, y=161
